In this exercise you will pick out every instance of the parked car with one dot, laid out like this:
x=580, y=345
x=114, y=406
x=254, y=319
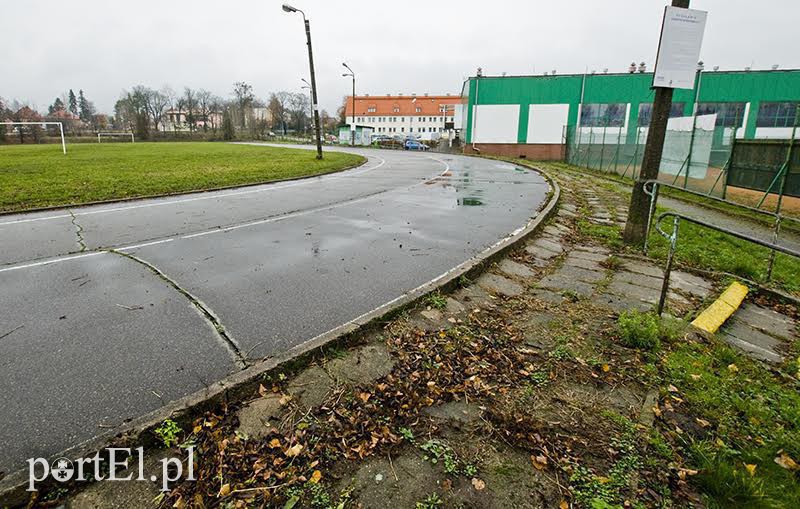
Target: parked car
x=414, y=145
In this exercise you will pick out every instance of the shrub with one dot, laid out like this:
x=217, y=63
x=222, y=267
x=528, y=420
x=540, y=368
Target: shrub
x=639, y=330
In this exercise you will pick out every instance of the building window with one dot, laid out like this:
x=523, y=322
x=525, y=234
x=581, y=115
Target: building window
x=728, y=114
x=371, y=109
x=603, y=115
x=776, y=115
x=395, y=109
x=419, y=109
x=646, y=112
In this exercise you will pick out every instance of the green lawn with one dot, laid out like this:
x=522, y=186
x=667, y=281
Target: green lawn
x=34, y=176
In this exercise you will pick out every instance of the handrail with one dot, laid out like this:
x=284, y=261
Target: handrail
x=652, y=192
x=673, y=241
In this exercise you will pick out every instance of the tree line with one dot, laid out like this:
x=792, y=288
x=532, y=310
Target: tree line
x=151, y=112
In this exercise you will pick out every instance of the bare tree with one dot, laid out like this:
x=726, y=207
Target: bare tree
x=190, y=102
x=204, y=106
x=279, y=108
x=299, y=105
x=158, y=101
x=243, y=93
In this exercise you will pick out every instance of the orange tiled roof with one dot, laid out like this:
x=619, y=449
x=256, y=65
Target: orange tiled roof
x=400, y=105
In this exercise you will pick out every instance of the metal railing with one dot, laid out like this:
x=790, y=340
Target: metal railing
x=651, y=189
x=673, y=242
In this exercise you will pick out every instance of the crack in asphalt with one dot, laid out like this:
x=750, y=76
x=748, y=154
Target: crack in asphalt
x=78, y=231
x=225, y=337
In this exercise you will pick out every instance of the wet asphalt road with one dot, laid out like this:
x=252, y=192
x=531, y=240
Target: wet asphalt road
x=109, y=312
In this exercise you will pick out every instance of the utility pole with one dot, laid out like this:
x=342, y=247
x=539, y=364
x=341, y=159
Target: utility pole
x=636, y=225
x=314, y=97
x=352, y=74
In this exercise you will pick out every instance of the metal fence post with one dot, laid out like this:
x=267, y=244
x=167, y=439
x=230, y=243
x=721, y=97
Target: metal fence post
x=673, y=240
x=772, y=253
x=653, y=200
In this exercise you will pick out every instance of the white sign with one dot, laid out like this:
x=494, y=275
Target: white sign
x=679, y=47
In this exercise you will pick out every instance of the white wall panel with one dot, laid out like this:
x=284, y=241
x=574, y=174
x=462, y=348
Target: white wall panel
x=496, y=123
x=546, y=123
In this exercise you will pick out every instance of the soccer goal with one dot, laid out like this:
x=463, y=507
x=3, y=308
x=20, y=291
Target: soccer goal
x=44, y=125
x=121, y=134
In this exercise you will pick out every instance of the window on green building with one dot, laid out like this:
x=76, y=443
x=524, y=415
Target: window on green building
x=603, y=115
x=728, y=114
x=646, y=112
x=776, y=114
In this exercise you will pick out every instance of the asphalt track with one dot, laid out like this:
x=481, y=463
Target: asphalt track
x=109, y=312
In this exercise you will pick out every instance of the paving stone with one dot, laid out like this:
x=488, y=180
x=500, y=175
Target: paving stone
x=601, y=221
x=310, y=387
x=568, y=284
x=548, y=296
x=454, y=307
x=540, y=319
x=548, y=244
x=753, y=342
x=501, y=285
x=593, y=249
x=654, y=283
x=513, y=268
x=574, y=261
x=580, y=274
x=586, y=255
x=541, y=254
x=474, y=296
x=552, y=230
x=567, y=213
x=690, y=283
x=620, y=303
x=647, y=269
x=362, y=365
x=568, y=206
x=767, y=320
x=632, y=291
x=455, y=411
x=260, y=416
x=434, y=315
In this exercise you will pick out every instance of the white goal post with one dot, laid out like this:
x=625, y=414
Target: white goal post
x=115, y=134
x=59, y=124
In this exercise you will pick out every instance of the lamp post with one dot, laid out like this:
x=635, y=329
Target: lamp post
x=353, y=127
x=307, y=86
x=314, y=97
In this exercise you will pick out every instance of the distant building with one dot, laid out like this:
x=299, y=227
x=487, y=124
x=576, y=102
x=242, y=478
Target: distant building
x=421, y=116
x=177, y=120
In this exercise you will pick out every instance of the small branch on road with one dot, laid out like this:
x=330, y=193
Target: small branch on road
x=15, y=329
x=130, y=308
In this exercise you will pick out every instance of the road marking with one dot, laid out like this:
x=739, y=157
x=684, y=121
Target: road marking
x=53, y=260
x=209, y=195
x=137, y=246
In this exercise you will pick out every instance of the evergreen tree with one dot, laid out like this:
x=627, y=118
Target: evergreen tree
x=58, y=105
x=73, y=103
x=227, y=126
x=86, y=108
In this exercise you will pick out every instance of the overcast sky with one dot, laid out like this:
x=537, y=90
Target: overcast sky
x=403, y=46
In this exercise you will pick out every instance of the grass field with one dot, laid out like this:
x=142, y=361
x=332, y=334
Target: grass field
x=33, y=176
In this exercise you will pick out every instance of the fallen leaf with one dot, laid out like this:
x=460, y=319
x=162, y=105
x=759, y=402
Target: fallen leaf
x=606, y=368
x=702, y=422
x=274, y=443
x=785, y=461
x=657, y=411
x=672, y=388
x=478, y=484
x=563, y=505
x=364, y=396
x=733, y=368
x=262, y=391
x=315, y=477
x=293, y=451
x=695, y=377
x=539, y=462
x=751, y=469
x=225, y=490
x=284, y=399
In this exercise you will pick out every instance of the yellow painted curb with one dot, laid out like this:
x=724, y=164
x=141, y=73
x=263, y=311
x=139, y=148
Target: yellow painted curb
x=712, y=318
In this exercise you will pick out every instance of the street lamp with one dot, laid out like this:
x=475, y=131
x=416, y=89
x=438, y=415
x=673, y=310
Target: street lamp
x=314, y=97
x=307, y=86
x=353, y=128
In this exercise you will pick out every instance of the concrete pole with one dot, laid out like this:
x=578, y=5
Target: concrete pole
x=636, y=227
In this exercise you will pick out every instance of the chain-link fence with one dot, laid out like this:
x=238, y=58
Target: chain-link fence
x=701, y=156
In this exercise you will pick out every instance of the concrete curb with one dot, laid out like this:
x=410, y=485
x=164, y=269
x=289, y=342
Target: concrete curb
x=245, y=383
x=181, y=193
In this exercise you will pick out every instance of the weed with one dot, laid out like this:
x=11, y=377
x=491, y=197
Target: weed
x=432, y=501
x=436, y=300
x=168, y=432
x=539, y=377
x=437, y=451
x=639, y=330
x=464, y=281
